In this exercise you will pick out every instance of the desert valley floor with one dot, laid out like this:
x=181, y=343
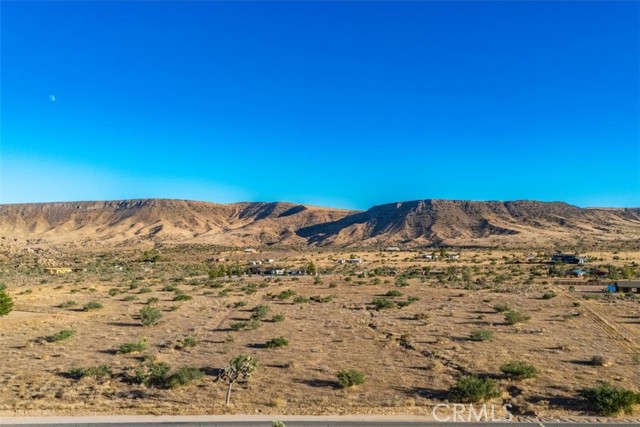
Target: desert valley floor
x=409, y=324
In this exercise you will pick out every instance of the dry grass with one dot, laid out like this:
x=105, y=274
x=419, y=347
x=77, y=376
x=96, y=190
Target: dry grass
x=410, y=356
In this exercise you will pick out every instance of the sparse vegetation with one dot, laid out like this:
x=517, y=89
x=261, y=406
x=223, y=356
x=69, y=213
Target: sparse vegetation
x=513, y=317
x=60, y=336
x=350, y=378
x=92, y=305
x=133, y=347
x=149, y=315
x=519, y=370
x=481, y=335
x=473, y=389
x=608, y=400
x=277, y=342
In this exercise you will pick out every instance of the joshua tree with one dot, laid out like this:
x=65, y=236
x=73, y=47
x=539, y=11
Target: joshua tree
x=239, y=368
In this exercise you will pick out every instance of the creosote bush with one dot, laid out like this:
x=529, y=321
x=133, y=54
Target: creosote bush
x=259, y=312
x=277, y=342
x=133, y=347
x=92, y=305
x=350, y=378
x=149, y=315
x=501, y=308
x=383, y=303
x=608, y=400
x=473, y=389
x=513, y=317
x=68, y=304
x=97, y=372
x=60, y=336
x=481, y=335
x=519, y=370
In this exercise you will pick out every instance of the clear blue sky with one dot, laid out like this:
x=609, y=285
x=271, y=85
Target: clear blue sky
x=344, y=104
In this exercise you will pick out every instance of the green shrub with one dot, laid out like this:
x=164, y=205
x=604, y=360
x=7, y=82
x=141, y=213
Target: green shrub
x=144, y=290
x=68, y=304
x=152, y=374
x=608, y=400
x=501, y=308
x=277, y=318
x=149, y=315
x=133, y=347
x=170, y=288
x=481, y=335
x=393, y=293
x=182, y=297
x=190, y=341
x=519, y=370
x=240, y=304
x=184, y=376
x=60, y=336
x=277, y=342
x=113, y=292
x=92, y=305
x=259, y=312
x=322, y=299
x=286, y=294
x=153, y=300
x=350, y=378
x=512, y=317
x=383, y=303
x=246, y=325
x=473, y=389
x=130, y=298
x=548, y=295
x=97, y=372
x=301, y=300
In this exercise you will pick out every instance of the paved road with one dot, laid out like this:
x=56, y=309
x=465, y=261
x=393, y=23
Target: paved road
x=291, y=421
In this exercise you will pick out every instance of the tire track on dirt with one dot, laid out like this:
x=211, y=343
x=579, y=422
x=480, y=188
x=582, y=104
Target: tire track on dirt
x=613, y=332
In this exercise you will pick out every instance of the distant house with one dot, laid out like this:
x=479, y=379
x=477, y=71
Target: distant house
x=219, y=259
x=625, y=286
x=341, y=261
x=576, y=273
x=453, y=256
x=250, y=251
x=568, y=259
x=298, y=272
x=255, y=263
x=354, y=260
x=392, y=249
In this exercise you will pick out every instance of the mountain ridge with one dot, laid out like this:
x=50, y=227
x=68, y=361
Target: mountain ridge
x=425, y=222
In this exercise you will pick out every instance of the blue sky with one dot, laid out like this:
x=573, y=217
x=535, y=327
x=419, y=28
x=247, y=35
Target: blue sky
x=347, y=104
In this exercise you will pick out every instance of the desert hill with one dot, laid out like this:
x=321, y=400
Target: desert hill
x=413, y=223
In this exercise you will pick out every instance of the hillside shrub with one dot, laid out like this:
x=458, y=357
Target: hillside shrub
x=608, y=400
x=60, y=336
x=133, y=347
x=92, y=305
x=277, y=342
x=481, y=335
x=97, y=372
x=149, y=315
x=513, y=317
x=519, y=370
x=473, y=389
x=350, y=378
x=383, y=303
